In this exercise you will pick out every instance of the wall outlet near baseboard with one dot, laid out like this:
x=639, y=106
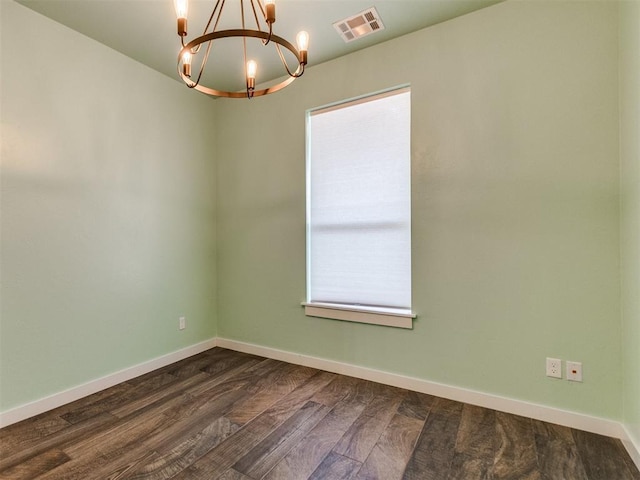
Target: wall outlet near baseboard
x=182, y=323
x=554, y=367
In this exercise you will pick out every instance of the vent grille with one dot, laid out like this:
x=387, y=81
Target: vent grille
x=360, y=25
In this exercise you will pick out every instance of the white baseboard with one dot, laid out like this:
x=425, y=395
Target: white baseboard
x=62, y=398
x=579, y=421
x=632, y=444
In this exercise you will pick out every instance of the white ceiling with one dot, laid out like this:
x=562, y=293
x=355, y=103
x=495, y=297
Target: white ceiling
x=145, y=30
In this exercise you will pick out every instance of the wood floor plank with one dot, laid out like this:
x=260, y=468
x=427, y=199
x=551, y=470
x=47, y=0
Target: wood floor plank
x=435, y=448
x=164, y=433
x=202, y=416
x=466, y=467
x=337, y=390
x=191, y=365
x=266, y=454
x=600, y=457
x=336, y=467
x=115, y=397
x=416, y=405
x=389, y=456
x=475, y=446
x=277, y=386
x=309, y=453
x=552, y=430
x=124, y=449
x=218, y=460
x=359, y=440
x=516, y=456
x=112, y=397
x=165, y=465
x=363, y=391
x=123, y=468
x=35, y=466
x=284, y=378
x=557, y=452
x=151, y=382
x=17, y=436
x=298, y=397
x=51, y=442
x=110, y=449
x=170, y=391
x=232, y=474
x=265, y=372
x=213, y=362
x=476, y=433
x=95, y=471
x=125, y=430
x=232, y=378
x=35, y=429
x=221, y=458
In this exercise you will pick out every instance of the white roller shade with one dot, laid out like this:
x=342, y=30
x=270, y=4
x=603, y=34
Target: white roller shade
x=359, y=202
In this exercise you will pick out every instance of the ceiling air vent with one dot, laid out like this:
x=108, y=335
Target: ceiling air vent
x=360, y=25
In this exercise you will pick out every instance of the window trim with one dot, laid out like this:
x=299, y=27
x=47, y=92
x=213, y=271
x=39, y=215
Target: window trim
x=389, y=317
x=352, y=313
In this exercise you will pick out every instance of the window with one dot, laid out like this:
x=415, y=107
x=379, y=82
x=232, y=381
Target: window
x=359, y=210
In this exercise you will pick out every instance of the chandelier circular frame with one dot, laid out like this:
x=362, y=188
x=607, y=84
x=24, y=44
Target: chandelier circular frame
x=242, y=33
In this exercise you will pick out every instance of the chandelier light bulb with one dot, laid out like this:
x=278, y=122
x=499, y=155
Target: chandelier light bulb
x=186, y=64
x=252, y=68
x=303, y=41
x=182, y=8
x=303, y=45
x=270, y=11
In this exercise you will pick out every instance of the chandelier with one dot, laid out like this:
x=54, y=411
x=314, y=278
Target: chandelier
x=264, y=15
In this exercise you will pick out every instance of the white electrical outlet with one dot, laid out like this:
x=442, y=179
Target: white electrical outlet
x=554, y=367
x=574, y=371
x=182, y=323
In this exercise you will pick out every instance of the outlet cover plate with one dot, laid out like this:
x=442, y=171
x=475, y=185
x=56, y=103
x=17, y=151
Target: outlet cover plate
x=554, y=367
x=182, y=323
x=574, y=371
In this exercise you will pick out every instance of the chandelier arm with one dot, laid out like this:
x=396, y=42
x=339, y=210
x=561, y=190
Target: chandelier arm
x=244, y=51
x=204, y=62
x=264, y=13
x=266, y=42
x=246, y=77
x=258, y=27
x=255, y=15
x=196, y=49
x=212, y=15
x=299, y=71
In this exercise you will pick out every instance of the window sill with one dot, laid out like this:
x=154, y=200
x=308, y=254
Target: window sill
x=387, y=317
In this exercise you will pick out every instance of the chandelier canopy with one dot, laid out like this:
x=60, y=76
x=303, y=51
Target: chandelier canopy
x=264, y=15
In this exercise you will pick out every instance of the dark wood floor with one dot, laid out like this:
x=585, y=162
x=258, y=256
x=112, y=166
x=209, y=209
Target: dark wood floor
x=232, y=416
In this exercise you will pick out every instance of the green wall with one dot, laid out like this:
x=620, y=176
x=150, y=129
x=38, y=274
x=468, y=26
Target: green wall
x=107, y=210
x=630, y=215
x=515, y=206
